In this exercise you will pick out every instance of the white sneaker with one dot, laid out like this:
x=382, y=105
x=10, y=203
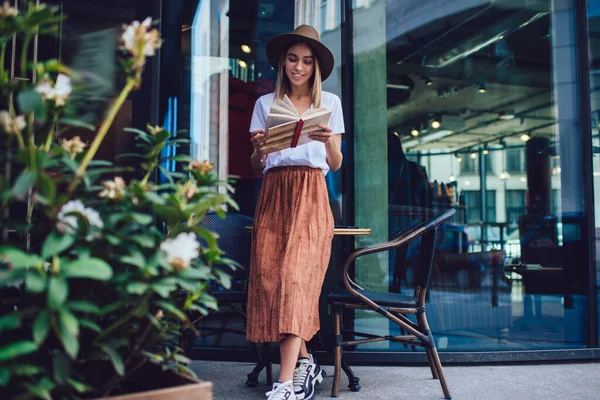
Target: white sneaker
x=282, y=391
x=307, y=375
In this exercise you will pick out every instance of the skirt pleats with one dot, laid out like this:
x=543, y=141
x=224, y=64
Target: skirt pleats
x=291, y=246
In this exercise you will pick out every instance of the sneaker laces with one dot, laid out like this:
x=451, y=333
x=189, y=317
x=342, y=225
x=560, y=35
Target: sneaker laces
x=279, y=391
x=301, y=372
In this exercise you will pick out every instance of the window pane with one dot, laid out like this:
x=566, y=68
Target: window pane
x=437, y=83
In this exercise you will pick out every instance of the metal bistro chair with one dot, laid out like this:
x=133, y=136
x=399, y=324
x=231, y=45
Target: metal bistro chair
x=235, y=240
x=393, y=306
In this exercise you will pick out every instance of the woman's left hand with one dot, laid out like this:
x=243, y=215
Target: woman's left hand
x=324, y=135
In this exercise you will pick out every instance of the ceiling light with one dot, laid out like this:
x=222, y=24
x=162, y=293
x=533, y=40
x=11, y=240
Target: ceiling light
x=473, y=155
x=428, y=82
x=504, y=175
x=525, y=137
x=459, y=159
x=523, y=179
x=467, y=183
x=242, y=64
x=506, y=115
x=246, y=49
x=414, y=132
x=435, y=124
x=452, y=178
x=482, y=88
x=485, y=152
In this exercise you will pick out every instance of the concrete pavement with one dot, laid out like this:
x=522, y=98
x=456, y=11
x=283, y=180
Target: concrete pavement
x=506, y=382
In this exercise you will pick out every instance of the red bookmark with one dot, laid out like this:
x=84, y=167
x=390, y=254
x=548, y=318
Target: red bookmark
x=297, y=133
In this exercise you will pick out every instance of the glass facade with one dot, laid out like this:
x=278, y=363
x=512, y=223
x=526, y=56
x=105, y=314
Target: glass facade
x=444, y=102
x=489, y=90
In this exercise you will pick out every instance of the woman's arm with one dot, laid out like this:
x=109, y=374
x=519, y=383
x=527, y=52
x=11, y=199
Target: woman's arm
x=258, y=158
x=333, y=146
x=334, y=152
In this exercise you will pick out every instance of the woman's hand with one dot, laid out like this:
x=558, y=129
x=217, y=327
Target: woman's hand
x=333, y=144
x=258, y=140
x=323, y=135
x=258, y=158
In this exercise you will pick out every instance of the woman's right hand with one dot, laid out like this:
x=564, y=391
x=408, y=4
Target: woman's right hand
x=259, y=141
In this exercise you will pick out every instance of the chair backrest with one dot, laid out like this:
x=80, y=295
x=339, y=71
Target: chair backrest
x=234, y=239
x=429, y=242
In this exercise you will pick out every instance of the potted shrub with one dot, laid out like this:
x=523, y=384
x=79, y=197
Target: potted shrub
x=97, y=273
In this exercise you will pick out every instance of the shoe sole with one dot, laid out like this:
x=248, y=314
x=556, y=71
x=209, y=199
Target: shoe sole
x=316, y=380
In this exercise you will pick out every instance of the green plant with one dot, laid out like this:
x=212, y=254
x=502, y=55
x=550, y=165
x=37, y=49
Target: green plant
x=93, y=272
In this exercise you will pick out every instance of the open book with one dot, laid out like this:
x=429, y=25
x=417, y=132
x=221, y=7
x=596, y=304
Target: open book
x=286, y=128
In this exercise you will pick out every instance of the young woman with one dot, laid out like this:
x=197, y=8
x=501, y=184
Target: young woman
x=293, y=225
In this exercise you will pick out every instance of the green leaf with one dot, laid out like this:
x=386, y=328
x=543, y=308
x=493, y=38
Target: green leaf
x=68, y=322
x=56, y=243
x=186, y=371
x=18, y=258
x=4, y=377
x=172, y=309
x=142, y=219
x=112, y=239
x=10, y=321
x=42, y=388
x=69, y=341
x=58, y=290
x=90, y=325
x=115, y=359
x=61, y=366
x=155, y=198
x=41, y=327
x=91, y=268
x=137, y=287
x=164, y=290
x=182, y=359
x=146, y=241
x=84, y=306
x=26, y=370
x=196, y=273
x=136, y=259
x=77, y=123
x=111, y=307
x=34, y=282
x=30, y=100
x=79, y=386
x=17, y=349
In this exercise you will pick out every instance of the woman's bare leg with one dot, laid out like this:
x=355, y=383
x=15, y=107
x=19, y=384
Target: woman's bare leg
x=289, y=349
x=303, y=350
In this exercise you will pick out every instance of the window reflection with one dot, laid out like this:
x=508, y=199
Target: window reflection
x=481, y=107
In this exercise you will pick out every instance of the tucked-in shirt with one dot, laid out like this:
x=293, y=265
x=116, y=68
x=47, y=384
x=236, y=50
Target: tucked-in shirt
x=312, y=154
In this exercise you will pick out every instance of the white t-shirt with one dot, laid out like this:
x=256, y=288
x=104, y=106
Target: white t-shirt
x=311, y=154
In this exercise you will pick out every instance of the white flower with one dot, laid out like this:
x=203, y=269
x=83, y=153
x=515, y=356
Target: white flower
x=113, y=189
x=69, y=221
x=10, y=125
x=59, y=92
x=181, y=250
x=140, y=41
x=7, y=11
x=73, y=146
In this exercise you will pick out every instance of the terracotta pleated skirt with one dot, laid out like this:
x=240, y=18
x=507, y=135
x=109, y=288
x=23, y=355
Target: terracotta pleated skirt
x=291, y=246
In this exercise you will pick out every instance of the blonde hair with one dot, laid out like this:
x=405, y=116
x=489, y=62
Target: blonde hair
x=283, y=86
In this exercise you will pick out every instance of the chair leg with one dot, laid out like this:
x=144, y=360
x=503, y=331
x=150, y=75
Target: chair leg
x=337, y=359
x=442, y=378
x=269, y=364
x=432, y=355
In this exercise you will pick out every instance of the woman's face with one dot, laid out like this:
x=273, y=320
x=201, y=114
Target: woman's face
x=299, y=64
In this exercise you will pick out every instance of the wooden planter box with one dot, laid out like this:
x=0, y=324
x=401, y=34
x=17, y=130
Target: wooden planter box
x=156, y=384
x=191, y=391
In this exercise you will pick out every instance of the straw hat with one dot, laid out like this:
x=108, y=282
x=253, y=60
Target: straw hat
x=308, y=35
